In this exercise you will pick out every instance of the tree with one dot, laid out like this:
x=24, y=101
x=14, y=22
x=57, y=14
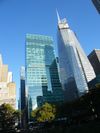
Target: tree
x=45, y=113
x=8, y=117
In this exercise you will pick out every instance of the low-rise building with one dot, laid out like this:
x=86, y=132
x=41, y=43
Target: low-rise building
x=7, y=86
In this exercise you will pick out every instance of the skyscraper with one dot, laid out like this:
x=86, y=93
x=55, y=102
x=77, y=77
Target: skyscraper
x=97, y=4
x=7, y=86
x=75, y=68
x=39, y=58
x=94, y=58
x=22, y=88
x=23, y=99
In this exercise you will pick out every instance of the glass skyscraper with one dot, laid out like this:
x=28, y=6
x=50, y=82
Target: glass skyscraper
x=75, y=68
x=39, y=58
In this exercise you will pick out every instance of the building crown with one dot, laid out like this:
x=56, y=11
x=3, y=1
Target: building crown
x=62, y=23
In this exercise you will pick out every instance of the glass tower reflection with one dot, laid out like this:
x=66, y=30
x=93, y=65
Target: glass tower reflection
x=39, y=58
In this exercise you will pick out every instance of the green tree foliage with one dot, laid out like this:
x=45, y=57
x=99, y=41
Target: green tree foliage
x=8, y=117
x=45, y=113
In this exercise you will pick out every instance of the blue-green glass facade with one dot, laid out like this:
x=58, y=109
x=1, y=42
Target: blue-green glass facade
x=39, y=57
x=56, y=94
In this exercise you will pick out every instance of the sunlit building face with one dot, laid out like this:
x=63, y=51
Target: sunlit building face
x=75, y=68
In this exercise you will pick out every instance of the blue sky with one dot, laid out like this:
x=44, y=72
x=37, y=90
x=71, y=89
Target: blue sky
x=18, y=17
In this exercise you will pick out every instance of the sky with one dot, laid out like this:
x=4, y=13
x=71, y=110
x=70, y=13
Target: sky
x=18, y=17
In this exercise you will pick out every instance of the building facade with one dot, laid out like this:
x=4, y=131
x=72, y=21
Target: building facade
x=75, y=68
x=22, y=88
x=97, y=4
x=94, y=58
x=56, y=95
x=95, y=82
x=7, y=86
x=39, y=58
x=23, y=98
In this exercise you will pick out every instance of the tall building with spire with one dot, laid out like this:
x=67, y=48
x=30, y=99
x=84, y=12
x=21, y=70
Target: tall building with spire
x=7, y=86
x=75, y=68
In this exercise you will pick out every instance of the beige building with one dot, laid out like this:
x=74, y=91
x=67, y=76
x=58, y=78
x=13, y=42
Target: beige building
x=7, y=86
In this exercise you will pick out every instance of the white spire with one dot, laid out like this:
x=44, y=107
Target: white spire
x=58, y=16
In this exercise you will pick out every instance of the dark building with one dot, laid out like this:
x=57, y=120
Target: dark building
x=94, y=58
x=97, y=4
x=94, y=82
x=23, y=106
